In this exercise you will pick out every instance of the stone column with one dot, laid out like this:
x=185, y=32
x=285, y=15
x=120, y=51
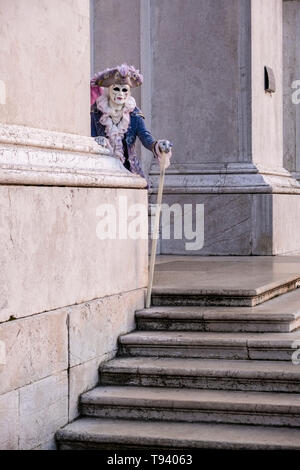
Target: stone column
x=66, y=292
x=291, y=86
x=209, y=99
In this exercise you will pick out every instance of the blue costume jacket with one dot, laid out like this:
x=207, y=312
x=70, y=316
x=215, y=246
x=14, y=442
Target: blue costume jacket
x=136, y=128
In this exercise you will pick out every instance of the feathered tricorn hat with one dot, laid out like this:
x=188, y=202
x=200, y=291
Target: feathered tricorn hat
x=121, y=75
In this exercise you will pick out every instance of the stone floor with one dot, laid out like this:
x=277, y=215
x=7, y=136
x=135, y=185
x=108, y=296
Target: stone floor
x=255, y=279
x=225, y=272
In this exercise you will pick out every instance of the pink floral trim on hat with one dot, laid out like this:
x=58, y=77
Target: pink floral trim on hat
x=123, y=74
x=96, y=91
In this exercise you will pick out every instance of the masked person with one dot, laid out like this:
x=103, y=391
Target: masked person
x=116, y=121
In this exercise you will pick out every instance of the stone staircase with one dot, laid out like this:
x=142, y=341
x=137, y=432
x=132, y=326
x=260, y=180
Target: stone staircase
x=206, y=376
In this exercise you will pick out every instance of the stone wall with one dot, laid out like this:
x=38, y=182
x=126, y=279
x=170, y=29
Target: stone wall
x=48, y=234
x=51, y=358
x=228, y=152
x=121, y=33
x=47, y=79
x=195, y=76
x=267, y=109
x=291, y=74
x=66, y=294
x=116, y=28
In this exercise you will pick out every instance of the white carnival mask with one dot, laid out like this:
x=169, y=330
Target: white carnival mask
x=118, y=94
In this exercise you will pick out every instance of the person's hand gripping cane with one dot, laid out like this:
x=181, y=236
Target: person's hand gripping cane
x=163, y=150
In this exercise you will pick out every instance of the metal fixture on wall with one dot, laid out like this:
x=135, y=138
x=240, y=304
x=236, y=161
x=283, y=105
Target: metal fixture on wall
x=270, y=83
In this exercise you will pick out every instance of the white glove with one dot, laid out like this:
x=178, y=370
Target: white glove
x=104, y=142
x=163, y=150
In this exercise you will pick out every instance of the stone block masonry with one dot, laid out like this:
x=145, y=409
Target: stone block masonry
x=66, y=295
x=61, y=287
x=52, y=358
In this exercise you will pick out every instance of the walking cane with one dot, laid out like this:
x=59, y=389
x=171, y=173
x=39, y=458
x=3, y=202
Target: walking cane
x=156, y=227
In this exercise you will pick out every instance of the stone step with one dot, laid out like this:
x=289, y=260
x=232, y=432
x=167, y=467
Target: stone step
x=265, y=376
x=281, y=314
x=177, y=319
x=223, y=281
x=106, y=434
x=202, y=319
x=194, y=344
x=192, y=405
x=222, y=297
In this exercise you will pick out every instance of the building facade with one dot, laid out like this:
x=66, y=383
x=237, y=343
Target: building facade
x=236, y=151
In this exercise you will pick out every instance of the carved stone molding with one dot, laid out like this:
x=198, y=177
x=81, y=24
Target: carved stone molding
x=225, y=178
x=39, y=157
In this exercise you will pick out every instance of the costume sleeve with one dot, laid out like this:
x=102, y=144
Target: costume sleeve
x=94, y=130
x=144, y=135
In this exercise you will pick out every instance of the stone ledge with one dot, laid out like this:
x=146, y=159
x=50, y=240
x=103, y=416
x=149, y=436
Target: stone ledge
x=176, y=296
x=32, y=137
x=220, y=168
x=225, y=178
x=39, y=157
